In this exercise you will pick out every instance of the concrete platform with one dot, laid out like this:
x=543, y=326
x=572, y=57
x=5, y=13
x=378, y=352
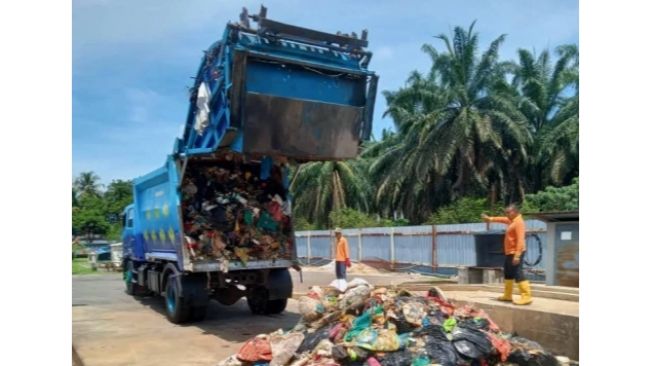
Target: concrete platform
x=551, y=322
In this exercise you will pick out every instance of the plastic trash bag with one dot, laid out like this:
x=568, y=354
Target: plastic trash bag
x=340, y=284
x=471, y=343
x=312, y=339
x=358, y=282
x=420, y=361
x=311, y=309
x=358, y=325
x=324, y=348
x=399, y=358
x=414, y=312
x=284, y=347
x=373, y=362
x=501, y=345
x=355, y=297
x=382, y=340
x=441, y=350
x=256, y=349
x=449, y=324
x=525, y=352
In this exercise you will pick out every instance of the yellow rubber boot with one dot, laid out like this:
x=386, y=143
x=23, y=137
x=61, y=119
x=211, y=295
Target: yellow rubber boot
x=525, y=290
x=507, y=290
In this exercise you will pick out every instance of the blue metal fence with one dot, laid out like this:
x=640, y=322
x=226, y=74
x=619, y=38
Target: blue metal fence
x=434, y=246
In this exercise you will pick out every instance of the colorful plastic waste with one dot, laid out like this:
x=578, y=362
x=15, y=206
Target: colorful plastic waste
x=382, y=327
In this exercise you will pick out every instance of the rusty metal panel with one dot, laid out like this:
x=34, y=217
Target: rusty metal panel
x=566, y=254
x=301, y=129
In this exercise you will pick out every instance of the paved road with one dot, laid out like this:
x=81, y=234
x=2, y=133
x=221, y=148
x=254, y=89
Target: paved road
x=112, y=328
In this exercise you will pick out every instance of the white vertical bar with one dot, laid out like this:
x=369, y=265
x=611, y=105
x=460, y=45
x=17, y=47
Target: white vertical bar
x=360, y=245
x=392, y=247
x=308, y=248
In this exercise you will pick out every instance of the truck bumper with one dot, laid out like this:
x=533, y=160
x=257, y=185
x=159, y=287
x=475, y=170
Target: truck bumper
x=214, y=266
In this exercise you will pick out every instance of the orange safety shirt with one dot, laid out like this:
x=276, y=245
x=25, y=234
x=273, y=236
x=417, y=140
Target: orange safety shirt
x=514, y=242
x=342, y=250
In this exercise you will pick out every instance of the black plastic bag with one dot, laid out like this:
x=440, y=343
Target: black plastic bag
x=476, y=323
x=399, y=358
x=529, y=353
x=471, y=343
x=312, y=339
x=441, y=350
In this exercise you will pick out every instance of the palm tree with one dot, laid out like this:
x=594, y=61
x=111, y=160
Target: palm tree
x=553, y=116
x=558, y=147
x=542, y=85
x=460, y=131
x=87, y=184
x=321, y=187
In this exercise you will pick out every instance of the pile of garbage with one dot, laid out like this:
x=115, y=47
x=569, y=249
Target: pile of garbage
x=235, y=209
x=382, y=327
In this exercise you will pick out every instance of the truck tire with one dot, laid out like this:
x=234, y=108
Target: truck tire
x=131, y=287
x=198, y=313
x=260, y=304
x=277, y=306
x=177, y=308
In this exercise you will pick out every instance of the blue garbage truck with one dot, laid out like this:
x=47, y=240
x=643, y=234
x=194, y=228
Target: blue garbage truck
x=215, y=222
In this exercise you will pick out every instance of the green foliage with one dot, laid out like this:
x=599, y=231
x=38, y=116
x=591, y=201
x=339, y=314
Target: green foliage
x=117, y=197
x=301, y=224
x=553, y=199
x=462, y=211
x=90, y=217
x=98, y=213
x=321, y=187
x=87, y=184
x=114, y=233
x=350, y=218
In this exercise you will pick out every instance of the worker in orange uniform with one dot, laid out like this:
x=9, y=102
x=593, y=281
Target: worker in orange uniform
x=342, y=255
x=514, y=247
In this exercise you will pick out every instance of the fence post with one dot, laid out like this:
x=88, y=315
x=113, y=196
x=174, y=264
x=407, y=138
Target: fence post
x=308, y=248
x=360, y=245
x=392, y=248
x=434, y=248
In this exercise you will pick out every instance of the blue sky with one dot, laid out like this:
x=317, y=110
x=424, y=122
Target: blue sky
x=133, y=60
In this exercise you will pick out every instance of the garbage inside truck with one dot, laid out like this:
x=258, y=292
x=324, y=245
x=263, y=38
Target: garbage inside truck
x=236, y=208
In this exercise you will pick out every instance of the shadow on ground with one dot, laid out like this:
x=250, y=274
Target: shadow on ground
x=233, y=323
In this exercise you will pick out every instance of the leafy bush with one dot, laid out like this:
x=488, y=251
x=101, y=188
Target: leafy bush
x=464, y=210
x=553, y=199
x=301, y=224
x=351, y=218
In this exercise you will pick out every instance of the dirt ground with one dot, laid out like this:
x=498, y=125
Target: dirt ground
x=112, y=328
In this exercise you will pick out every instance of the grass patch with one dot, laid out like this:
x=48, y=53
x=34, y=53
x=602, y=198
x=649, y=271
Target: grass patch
x=81, y=266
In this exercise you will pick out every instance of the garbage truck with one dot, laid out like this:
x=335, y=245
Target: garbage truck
x=215, y=221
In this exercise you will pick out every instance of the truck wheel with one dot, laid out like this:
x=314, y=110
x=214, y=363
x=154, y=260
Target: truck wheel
x=198, y=313
x=260, y=304
x=132, y=288
x=257, y=301
x=177, y=310
x=277, y=306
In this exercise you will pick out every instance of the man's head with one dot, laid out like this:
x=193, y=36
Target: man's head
x=338, y=232
x=512, y=211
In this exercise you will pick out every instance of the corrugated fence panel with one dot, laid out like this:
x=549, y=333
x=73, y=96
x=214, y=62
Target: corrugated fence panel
x=352, y=238
x=376, y=243
x=456, y=250
x=413, y=244
x=301, y=244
